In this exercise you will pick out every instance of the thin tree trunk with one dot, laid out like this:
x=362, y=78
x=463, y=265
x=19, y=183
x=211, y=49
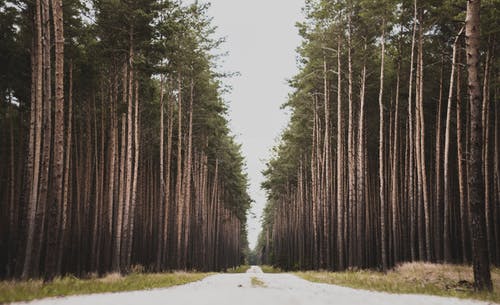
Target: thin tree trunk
x=361, y=239
x=394, y=172
x=163, y=218
x=54, y=226
x=340, y=163
x=33, y=166
x=381, y=157
x=446, y=166
x=180, y=206
x=187, y=178
x=464, y=228
x=423, y=167
x=486, y=159
x=65, y=203
x=438, y=191
x=410, y=190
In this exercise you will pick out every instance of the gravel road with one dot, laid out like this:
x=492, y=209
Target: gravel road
x=267, y=289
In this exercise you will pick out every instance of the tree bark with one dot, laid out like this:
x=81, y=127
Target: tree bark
x=480, y=257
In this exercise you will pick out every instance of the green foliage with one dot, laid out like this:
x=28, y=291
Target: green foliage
x=325, y=27
x=168, y=39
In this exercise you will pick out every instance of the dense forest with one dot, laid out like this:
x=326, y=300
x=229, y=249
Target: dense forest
x=392, y=151
x=114, y=143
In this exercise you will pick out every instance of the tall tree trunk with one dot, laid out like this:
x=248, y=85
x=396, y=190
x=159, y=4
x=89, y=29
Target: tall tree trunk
x=67, y=170
x=411, y=161
x=361, y=239
x=486, y=134
x=438, y=183
x=180, y=197
x=446, y=166
x=480, y=257
x=394, y=172
x=187, y=178
x=33, y=159
x=464, y=228
x=167, y=180
x=46, y=164
x=54, y=226
x=423, y=167
x=163, y=206
x=381, y=157
x=351, y=158
x=340, y=163
x=129, y=156
x=135, y=176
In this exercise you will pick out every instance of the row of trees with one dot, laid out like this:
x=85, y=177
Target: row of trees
x=114, y=144
x=390, y=139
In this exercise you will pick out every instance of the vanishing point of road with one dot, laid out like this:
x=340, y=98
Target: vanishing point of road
x=253, y=288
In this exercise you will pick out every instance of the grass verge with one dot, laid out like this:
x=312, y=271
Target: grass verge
x=413, y=278
x=270, y=269
x=13, y=291
x=239, y=269
x=257, y=283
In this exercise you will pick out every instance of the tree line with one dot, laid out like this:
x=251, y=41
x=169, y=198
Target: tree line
x=115, y=146
x=392, y=151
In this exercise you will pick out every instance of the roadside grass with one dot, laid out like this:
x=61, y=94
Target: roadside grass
x=257, y=283
x=15, y=291
x=239, y=269
x=413, y=278
x=270, y=269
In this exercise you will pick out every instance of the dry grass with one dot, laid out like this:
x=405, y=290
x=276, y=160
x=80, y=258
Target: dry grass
x=111, y=278
x=14, y=291
x=239, y=269
x=415, y=278
x=257, y=283
x=270, y=269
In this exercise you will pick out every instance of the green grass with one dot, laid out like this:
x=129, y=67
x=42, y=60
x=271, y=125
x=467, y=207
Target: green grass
x=239, y=269
x=414, y=278
x=270, y=269
x=257, y=283
x=13, y=291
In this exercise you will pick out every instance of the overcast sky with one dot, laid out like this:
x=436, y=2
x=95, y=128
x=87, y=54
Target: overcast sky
x=261, y=41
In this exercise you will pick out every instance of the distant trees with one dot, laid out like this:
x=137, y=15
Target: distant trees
x=397, y=191
x=114, y=144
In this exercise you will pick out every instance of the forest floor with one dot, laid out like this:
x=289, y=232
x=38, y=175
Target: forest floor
x=255, y=287
x=413, y=278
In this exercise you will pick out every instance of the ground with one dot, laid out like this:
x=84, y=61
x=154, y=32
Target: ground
x=253, y=288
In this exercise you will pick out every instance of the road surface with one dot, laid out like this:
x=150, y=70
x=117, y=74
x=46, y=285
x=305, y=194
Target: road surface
x=253, y=288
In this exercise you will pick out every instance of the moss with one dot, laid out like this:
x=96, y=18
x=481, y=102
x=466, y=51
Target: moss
x=13, y=291
x=413, y=278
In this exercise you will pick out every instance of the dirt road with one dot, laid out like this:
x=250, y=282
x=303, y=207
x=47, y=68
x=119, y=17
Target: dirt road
x=253, y=288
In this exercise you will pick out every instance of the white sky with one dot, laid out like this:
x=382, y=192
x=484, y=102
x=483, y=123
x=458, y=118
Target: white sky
x=261, y=40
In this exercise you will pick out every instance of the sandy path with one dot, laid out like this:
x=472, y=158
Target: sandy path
x=237, y=289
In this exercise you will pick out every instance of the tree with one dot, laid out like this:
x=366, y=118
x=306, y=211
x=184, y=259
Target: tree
x=480, y=257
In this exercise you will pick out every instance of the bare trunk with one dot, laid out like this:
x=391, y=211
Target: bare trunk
x=381, y=158
x=340, y=164
x=480, y=257
x=447, y=199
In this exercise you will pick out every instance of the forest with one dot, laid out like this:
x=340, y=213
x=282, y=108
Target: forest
x=115, y=149
x=392, y=151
